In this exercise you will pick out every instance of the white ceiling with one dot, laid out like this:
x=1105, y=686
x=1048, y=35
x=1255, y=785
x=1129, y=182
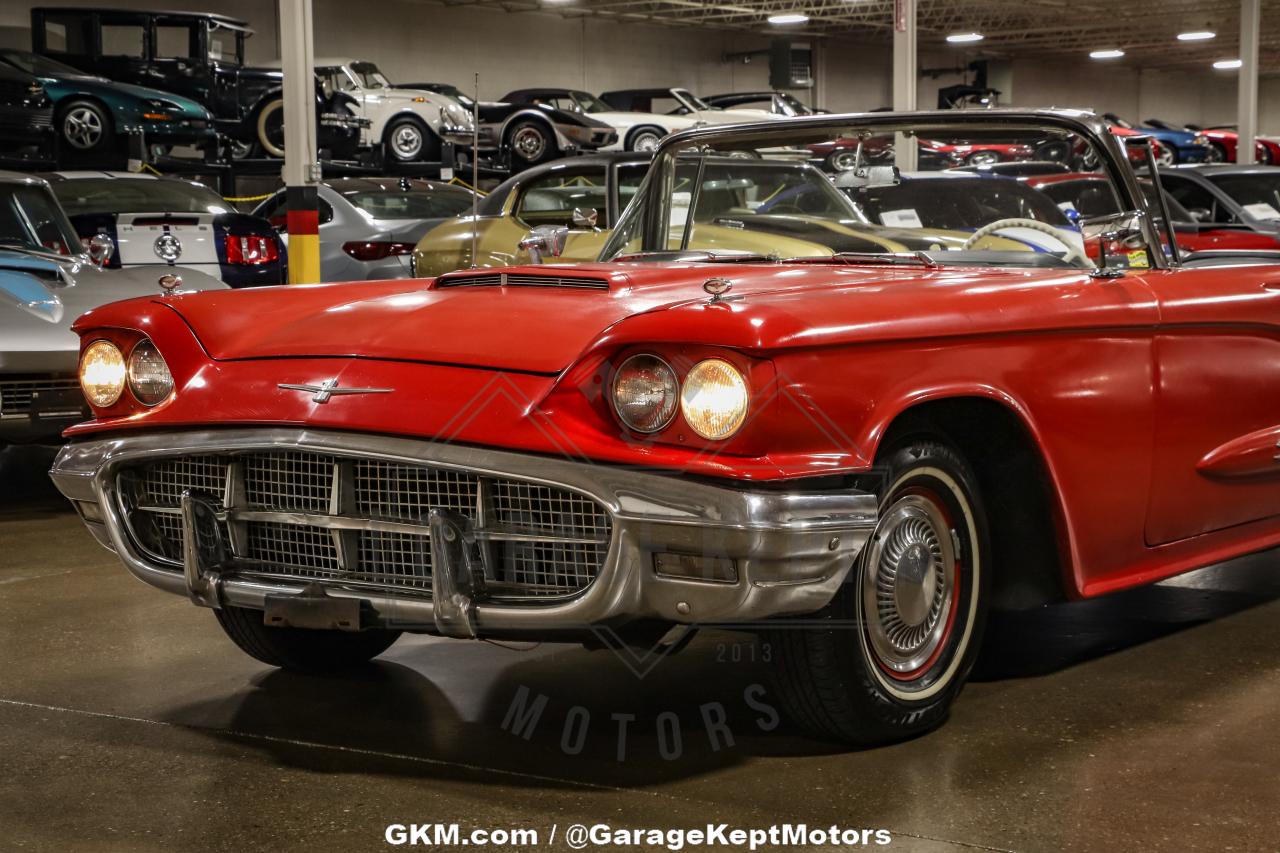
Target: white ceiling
x=1064, y=29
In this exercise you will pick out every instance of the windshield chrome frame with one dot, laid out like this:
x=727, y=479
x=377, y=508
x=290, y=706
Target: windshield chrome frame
x=652, y=200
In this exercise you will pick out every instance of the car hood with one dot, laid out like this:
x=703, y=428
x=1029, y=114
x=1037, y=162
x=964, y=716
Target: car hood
x=1173, y=137
x=39, y=297
x=108, y=89
x=510, y=327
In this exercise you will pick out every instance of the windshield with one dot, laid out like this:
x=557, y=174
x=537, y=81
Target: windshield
x=440, y=203
x=31, y=219
x=39, y=66
x=137, y=195
x=369, y=75
x=777, y=190
x=690, y=100
x=1256, y=192
x=794, y=106
x=589, y=103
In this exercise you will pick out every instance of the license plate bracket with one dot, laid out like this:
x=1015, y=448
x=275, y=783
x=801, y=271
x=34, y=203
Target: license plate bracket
x=315, y=610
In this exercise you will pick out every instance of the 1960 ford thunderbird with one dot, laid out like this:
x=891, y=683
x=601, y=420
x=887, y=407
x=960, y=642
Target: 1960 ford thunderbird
x=860, y=451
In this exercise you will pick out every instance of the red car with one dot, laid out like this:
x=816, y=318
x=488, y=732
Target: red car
x=841, y=155
x=985, y=153
x=1223, y=142
x=1089, y=194
x=858, y=449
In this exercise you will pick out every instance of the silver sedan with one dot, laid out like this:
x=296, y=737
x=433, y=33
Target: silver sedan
x=369, y=226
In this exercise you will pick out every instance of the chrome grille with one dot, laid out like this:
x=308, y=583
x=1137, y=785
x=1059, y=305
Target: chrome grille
x=17, y=391
x=280, y=514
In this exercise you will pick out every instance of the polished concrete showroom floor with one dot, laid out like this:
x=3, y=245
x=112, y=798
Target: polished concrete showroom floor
x=128, y=722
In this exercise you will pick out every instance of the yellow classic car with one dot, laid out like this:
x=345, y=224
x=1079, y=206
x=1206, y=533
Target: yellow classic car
x=786, y=208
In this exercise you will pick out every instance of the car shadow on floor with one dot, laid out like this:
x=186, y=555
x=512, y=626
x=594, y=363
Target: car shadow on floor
x=564, y=716
x=24, y=479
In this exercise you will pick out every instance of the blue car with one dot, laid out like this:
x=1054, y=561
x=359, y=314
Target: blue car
x=1176, y=146
x=92, y=114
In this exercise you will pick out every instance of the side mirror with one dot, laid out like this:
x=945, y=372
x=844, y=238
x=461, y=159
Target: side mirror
x=101, y=248
x=545, y=241
x=1112, y=227
x=1200, y=214
x=585, y=218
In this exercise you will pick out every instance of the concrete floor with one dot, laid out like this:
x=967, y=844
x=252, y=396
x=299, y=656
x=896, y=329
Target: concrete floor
x=128, y=722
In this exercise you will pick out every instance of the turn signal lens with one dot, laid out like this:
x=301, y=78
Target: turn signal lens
x=102, y=373
x=149, y=376
x=645, y=393
x=714, y=399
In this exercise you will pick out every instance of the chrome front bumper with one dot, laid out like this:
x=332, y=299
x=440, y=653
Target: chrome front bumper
x=790, y=552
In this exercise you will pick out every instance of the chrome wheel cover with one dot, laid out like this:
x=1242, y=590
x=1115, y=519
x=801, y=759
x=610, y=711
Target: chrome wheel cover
x=984, y=158
x=909, y=584
x=529, y=143
x=1165, y=157
x=646, y=142
x=82, y=128
x=844, y=161
x=406, y=142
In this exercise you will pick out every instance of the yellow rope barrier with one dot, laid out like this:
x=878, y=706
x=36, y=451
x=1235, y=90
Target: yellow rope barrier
x=247, y=198
x=463, y=183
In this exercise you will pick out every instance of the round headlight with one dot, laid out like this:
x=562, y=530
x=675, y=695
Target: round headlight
x=149, y=376
x=714, y=399
x=645, y=393
x=102, y=373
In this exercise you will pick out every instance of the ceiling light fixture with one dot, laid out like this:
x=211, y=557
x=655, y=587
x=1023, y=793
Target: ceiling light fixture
x=788, y=18
x=1225, y=64
x=1110, y=53
x=1197, y=35
x=964, y=38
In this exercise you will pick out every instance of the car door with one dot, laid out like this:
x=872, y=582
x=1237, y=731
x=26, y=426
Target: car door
x=1217, y=360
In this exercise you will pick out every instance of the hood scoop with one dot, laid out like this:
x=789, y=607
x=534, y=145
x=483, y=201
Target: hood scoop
x=487, y=278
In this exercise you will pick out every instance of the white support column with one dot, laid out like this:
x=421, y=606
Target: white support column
x=301, y=172
x=905, y=76
x=1247, y=93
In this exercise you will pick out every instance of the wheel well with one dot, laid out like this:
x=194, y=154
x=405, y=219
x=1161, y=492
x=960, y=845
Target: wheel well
x=633, y=132
x=406, y=116
x=1027, y=551
x=68, y=103
x=528, y=119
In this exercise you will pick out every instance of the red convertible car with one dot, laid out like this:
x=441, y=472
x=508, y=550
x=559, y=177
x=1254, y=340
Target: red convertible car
x=858, y=450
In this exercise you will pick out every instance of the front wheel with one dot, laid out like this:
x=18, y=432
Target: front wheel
x=902, y=634
x=86, y=128
x=530, y=143
x=270, y=128
x=407, y=140
x=1217, y=153
x=644, y=140
x=299, y=649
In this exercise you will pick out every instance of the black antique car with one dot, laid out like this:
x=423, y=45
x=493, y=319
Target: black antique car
x=199, y=56
x=26, y=117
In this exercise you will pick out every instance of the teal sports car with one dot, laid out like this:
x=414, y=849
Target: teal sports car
x=92, y=115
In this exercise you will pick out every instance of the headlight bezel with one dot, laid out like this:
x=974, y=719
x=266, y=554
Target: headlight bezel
x=738, y=415
x=101, y=403
x=682, y=360
x=618, y=375
x=131, y=381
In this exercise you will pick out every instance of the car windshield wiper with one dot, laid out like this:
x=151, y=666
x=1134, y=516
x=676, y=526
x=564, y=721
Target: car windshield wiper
x=27, y=248
x=701, y=255
x=919, y=258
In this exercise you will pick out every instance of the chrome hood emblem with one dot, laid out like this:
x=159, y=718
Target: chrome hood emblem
x=329, y=388
x=168, y=247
